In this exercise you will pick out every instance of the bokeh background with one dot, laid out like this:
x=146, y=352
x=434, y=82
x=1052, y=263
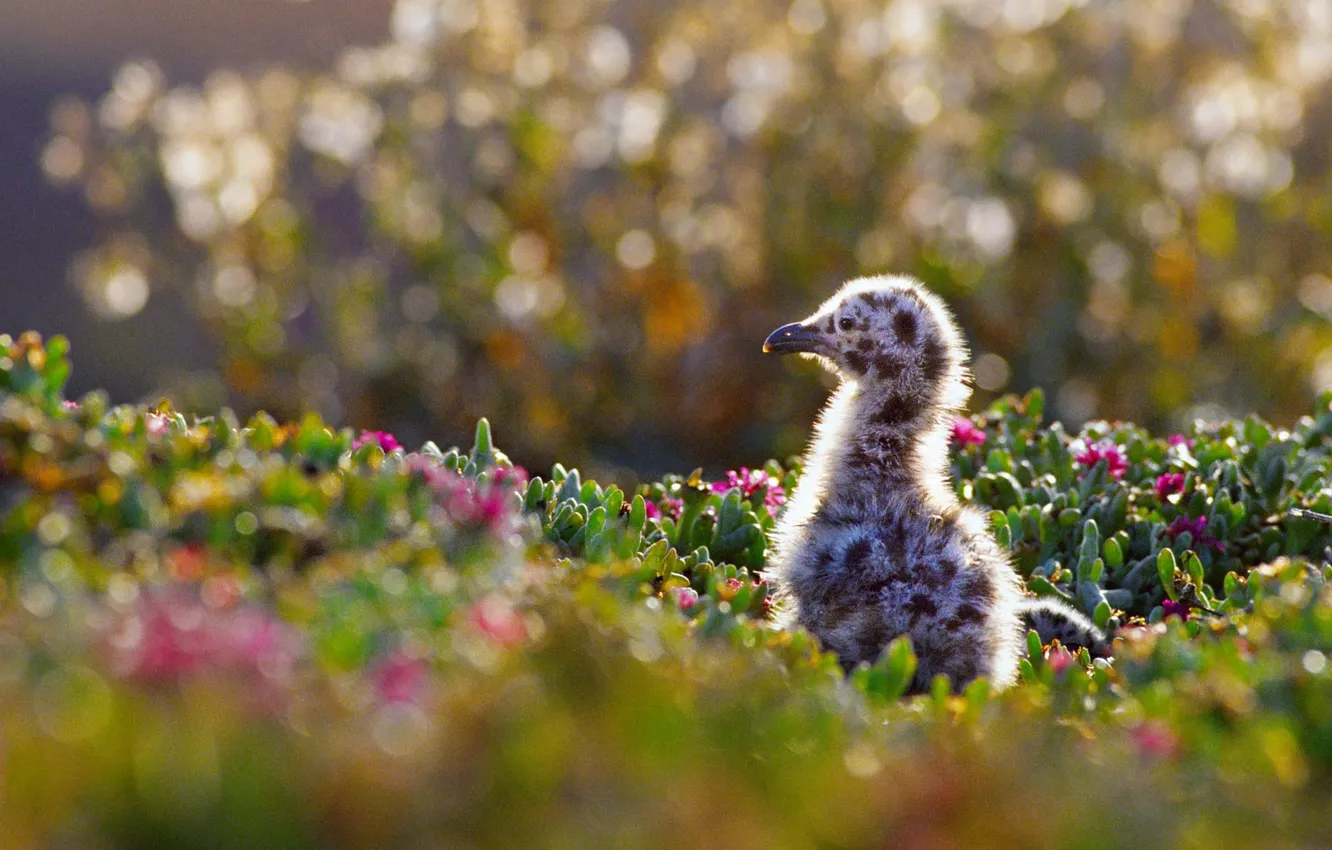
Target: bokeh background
x=581, y=218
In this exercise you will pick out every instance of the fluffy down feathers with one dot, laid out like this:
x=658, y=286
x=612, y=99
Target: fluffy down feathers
x=874, y=544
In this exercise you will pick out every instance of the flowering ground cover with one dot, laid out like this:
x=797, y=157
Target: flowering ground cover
x=286, y=635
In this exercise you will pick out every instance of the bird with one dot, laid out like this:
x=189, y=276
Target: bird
x=874, y=543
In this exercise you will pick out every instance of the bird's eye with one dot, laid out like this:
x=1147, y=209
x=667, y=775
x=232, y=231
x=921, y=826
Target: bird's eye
x=846, y=323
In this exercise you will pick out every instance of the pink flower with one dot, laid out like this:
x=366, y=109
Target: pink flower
x=496, y=619
x=471, y=503
x=1154, y=738
x=1171, y=608
x=750, y=481
x=653, y=512
x=1115, y=462
x=1059, y=659
x=1169, y=484
x=966, y=433
x=155, y=423
x=399, y=678
x=71, y=406
x=765, y=588
x=1180, y=440
x=1197, y=529
x=383, y=439
x=685, y=597
x=172, y=637
x=674, y=507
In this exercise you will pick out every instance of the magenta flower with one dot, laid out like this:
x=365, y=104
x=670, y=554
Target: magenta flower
x=1115, y=462
x=1197, y=529
x=685, y=597
x=674, y=507
x=653, y=512
x=383, y=439
x=71, y=406
x=491, y=504
x=966, y=433
x=750, y=481
x=1180, y=440
x=399, y=678
x=1171, y=608
x=1169, y=484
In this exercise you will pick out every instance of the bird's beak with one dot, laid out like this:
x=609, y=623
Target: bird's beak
x=791, y=339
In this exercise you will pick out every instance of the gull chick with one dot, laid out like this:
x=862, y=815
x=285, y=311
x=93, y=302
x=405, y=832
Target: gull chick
x=874, y=543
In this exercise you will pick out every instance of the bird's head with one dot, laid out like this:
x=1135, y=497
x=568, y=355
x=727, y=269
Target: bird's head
x=888, y=333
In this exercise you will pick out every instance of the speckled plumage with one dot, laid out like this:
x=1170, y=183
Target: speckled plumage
x=874, y=543
x=1054, y=620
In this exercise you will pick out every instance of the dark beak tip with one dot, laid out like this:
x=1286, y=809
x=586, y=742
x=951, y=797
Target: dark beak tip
x=789, y=339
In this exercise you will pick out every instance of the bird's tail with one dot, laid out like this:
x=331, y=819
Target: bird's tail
x=1054, y=620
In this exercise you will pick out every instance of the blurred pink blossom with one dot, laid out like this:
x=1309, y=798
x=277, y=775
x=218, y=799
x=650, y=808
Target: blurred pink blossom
x=399, y=677
x=1115, y=462
x=1059, y=659
x=1171, y=608
x=966, y=433
x=1168, y=484
x=1156, y=739
x=497, y=620
x=169, y=637
x=674, y=507
x=1197, y=529
x=383, y=439
x=750, y=481
x=155, y=423
x=685, y=597
x=491, y=503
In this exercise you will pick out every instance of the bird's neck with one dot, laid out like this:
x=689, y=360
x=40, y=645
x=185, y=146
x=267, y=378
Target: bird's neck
x=894, y=444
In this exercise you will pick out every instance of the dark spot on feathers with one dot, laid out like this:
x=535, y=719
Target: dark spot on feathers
x=891, y=444
x=874, y=300
x=934, y=360
x=857, y=362
x=857, y=554
x=968, y=613
x=887, y=367
x=872, y=639
x=904, y=325
x=979, y=587
x=865, y=344
x=921, y=605
x=948, y=569
x=860, y=458
x=830, y=324
x=895, y=411
x=896, y=545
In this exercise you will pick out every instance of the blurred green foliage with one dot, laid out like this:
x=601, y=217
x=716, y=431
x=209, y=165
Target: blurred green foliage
x=228, y=635
x=583, y=217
